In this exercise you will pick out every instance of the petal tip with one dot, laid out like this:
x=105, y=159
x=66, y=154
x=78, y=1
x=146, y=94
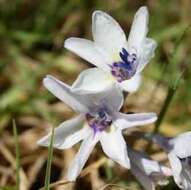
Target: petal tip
x=46, y=80
x=67, y=42
x=155, y=117
x=143, y=10
x=126, y=164
x=48, y=77
x=97, y=13
x=100, y=16
x=42, y=142
x=71, y=178
x=142, y=13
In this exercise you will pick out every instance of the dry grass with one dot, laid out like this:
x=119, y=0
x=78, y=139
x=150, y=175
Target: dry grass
x=32, y=34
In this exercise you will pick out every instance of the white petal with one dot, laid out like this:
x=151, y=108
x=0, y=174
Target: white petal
x=182, y=145
x=92, y=80
x=138, y=30
x=88, y=51
x=185, y=178
x=114, y=146
x=63, y=92
x=113, y=99
x=147, y=52
x=176, y=167
x=82, y=156
x=132, y=84
x=130, y=120
x=102, y=90
x=107, y=33
x=152, y=172
x=147, y=165
x=67, y=133
x=144, y=180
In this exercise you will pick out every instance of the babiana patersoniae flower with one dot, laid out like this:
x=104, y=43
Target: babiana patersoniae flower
x=119, y=61
x=97, y=97
x=99, y=119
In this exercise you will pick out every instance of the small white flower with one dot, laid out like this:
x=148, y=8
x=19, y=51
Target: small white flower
x=99, y=119
x=119, y=61
x=179, y=154
x=148, y=172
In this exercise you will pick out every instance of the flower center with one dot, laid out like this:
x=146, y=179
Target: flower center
x=99, y=120
x=126, y=67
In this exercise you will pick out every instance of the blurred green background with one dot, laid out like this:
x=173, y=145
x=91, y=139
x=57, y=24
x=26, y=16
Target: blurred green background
x=32, y=33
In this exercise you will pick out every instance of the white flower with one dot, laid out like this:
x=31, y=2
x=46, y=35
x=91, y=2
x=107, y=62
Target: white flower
x=118, y=60
x=99, y=119
x=179, y=154
x=148, y=172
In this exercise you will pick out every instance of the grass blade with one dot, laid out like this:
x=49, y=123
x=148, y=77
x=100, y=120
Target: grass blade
x=17, y=155
x=48, y=167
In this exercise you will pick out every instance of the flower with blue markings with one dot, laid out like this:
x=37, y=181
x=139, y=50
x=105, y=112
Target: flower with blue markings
x=99, y=120
x=126, y=68
x=119, y=61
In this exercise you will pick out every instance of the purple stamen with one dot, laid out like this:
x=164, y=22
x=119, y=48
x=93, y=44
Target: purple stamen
x=126, y=68
x=100, y=120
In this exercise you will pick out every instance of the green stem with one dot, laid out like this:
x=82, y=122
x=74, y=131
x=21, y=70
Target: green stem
x=48, y=167
x=168, y=99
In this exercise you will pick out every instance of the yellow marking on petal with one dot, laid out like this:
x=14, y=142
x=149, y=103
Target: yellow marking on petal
x=111, y=129
x=115, y=57
x=110, y=77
